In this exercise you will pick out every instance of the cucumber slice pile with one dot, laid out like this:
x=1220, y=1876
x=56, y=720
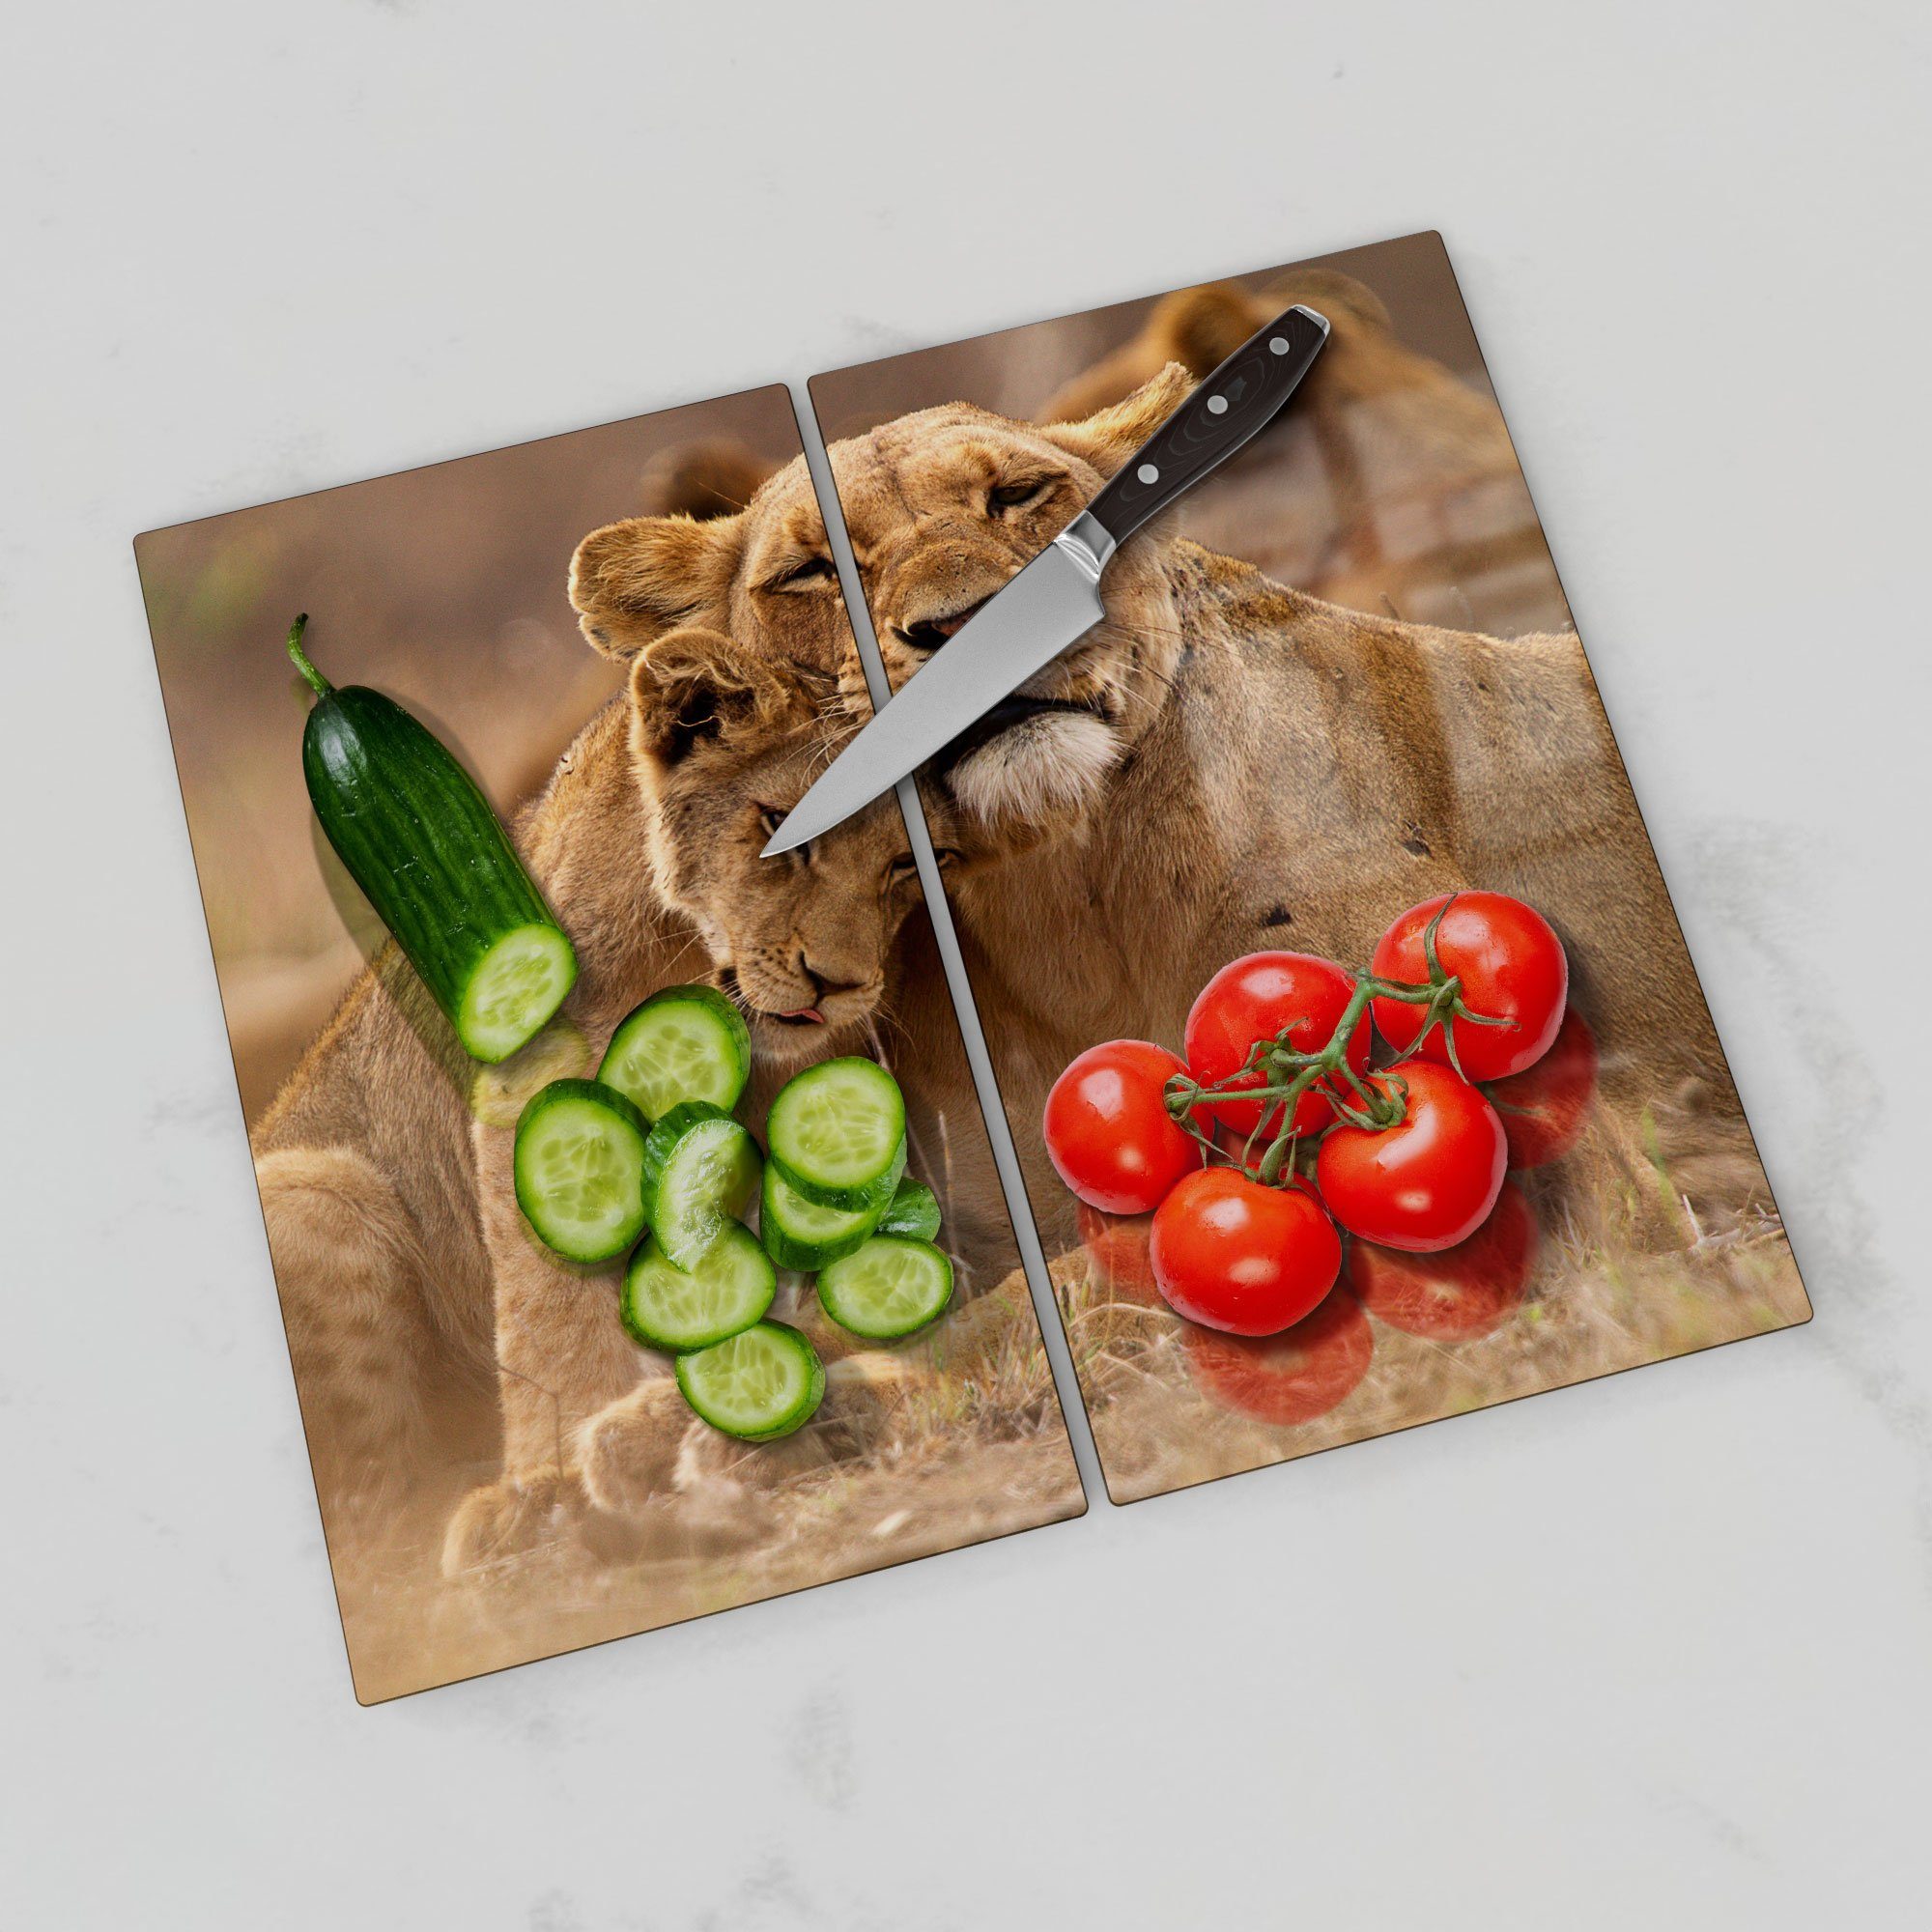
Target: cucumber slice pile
x=914, y=1211
x=838, y=1133
x=700, y=1169
x=729, y=1288
x=651, y=1142
x=892, y=1287
x=759, y=1385
x=579, y=1169
x=684, y=1043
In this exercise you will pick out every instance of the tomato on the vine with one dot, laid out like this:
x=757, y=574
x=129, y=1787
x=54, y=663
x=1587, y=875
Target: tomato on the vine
x=1108, y=1131
x=1458, y=1292
x=1545, y=1106
x=1428, y=1181
x=1285, y=1379
x=1511, y=965
x=1232, y=1254
x=1256, y=998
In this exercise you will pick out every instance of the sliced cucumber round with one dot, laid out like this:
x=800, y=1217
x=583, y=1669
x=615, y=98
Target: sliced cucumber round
x=890, y=1287
x=514, y=989
x=684, y=1043
x=799, y=1233
x=580, y=1170
x=838, y=1133
x=913, y=1211
x=731, y=1287
x=759, y=1385
x=700, y=1169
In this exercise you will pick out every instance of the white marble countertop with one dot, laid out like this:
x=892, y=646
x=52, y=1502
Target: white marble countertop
x=1654, y=1648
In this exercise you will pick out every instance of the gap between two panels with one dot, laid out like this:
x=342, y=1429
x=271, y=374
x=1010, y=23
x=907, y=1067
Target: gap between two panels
x=1005, y=1157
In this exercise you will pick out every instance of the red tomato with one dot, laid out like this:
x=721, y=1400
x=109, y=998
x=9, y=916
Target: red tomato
x=1285, y=1379
x=1543, y=1109
x=1234, y=1255
x=1117, y=1245
x=1512, y=967
x=1254, y=998
x=1108, y=1130
x=1427, y=1182
x=1457, y=1292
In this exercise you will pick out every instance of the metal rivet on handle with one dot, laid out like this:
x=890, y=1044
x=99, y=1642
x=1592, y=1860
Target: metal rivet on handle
x=1147, y=473
x=1279, y=344
x=1218, y=405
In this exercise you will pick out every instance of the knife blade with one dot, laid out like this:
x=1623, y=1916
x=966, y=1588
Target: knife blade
x=1055, y=601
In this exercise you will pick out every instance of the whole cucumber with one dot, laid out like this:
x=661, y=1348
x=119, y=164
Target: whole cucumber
x=422, y=843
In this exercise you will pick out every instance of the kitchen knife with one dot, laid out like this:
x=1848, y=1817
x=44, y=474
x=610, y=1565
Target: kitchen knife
x=1055, y=601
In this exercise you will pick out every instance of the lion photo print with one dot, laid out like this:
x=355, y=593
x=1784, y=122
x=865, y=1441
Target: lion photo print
x=605, y=1334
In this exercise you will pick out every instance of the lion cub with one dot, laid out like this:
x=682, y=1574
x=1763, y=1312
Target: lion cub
x=647, y=842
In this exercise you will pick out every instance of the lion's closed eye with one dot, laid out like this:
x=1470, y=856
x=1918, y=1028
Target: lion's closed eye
x=1017, y=492
x=807, y=572
x=770, y=818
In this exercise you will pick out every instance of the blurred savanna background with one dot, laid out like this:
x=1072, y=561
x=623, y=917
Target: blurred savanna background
x=444, y=587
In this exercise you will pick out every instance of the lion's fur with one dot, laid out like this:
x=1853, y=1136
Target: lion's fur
x=367, y=1190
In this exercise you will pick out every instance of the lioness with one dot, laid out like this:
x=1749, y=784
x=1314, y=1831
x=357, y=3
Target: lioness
x=1226, y=764
x=1407, y=495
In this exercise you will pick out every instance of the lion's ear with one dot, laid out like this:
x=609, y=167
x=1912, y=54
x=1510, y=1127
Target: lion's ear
x=633, y=581
x=1109, y=437
x=714, y=476
x=693, y=686
x=1201, y=328
x=1341, y=297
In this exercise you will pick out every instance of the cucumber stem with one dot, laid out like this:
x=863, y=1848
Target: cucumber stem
x=317, y=683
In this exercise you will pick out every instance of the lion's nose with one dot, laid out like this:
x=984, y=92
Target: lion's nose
x=925, y=634
x=823, y=986
x=925, y=638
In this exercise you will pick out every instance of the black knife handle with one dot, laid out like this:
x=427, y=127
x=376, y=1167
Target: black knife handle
x=1236, y=402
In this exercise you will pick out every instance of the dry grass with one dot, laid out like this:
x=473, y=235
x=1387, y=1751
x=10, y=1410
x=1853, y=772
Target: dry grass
x=956, y=1438
x=1597, y=1303
x=943, y=1442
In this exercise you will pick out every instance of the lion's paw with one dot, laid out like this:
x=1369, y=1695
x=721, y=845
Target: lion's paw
x=715, y=1516
x=862, y=1396
x=629, y=1451
x=511, y=1517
